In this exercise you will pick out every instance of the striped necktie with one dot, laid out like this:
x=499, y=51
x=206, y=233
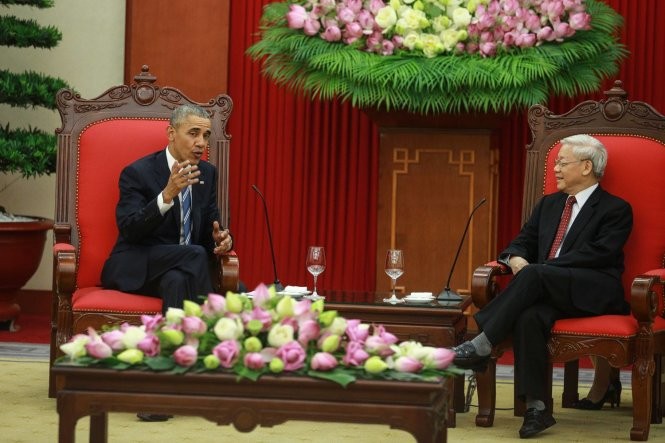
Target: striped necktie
x=186, y=199
x=563, y=226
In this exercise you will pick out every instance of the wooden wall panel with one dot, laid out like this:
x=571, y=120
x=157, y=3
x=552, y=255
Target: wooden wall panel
x=185, y=44
x=429, y=181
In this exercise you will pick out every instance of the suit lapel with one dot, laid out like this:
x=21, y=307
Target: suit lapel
x=582, y=219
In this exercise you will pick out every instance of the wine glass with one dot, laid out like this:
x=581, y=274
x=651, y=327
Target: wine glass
x=394, y=268
x=316, y=264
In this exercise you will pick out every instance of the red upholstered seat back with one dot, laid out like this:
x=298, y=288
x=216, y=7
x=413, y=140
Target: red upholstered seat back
x=635, y=173
x=104, y=149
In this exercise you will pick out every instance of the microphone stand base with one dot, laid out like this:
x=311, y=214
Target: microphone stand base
x=279, y=287
x=448, y=297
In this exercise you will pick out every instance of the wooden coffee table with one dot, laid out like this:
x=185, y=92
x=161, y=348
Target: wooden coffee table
x=416, y=407
x=440, y=324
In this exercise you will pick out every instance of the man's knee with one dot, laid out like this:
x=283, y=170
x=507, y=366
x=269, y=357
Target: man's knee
x=195, y=253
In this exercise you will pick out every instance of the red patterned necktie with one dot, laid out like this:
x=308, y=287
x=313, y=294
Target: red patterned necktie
x=563, y=226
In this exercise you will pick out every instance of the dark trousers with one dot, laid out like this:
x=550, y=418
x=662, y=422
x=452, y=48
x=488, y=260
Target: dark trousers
x=177, y=273
x=527, y=309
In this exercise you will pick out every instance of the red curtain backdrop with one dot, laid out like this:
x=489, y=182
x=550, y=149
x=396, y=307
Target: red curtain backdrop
x=317, y=162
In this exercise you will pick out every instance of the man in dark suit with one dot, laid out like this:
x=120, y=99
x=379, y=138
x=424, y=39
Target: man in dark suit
x=164, y=246
x=567, y=262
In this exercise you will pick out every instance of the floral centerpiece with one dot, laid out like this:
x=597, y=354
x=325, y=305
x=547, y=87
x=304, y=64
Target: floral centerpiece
x=440, y=55
x=265, y=334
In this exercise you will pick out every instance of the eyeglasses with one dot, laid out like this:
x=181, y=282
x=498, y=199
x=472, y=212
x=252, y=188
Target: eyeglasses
x=562, y=164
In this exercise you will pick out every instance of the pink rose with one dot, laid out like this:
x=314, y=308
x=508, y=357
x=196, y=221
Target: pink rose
x=312, y=27
x=296, y=16
x=375, y=5
x=227, y=352
x=254, y=360
x=293, y=356
x=546, y=33
x=487, y=49
x=408, y=364
x=323, y=361
x=366, y=21
x=185, y=356
x=149, y=345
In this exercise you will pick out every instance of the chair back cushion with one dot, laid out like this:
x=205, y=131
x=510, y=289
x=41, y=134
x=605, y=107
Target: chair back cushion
x=634, y=172
x=104, y=149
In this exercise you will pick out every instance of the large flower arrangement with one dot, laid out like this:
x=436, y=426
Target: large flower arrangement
x=440, y=55
x=268, y=333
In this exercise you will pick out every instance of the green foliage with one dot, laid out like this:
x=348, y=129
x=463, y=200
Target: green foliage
x=449, y=83
x=29, y=89
x=41, y=4
x=31, y=152
x=25, y=33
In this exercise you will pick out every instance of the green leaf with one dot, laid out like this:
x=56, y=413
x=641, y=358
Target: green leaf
x=337, y=375
x=160, y=363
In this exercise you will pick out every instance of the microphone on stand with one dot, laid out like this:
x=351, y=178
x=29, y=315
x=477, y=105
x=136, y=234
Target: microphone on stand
x=448, y=295
x=278, y=285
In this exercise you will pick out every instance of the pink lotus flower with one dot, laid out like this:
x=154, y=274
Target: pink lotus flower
x=149, y=345
x=214, y=305
x=254, y=360
x=193, y=325
x=332, y=34
x=95, y=346
x=323, y=361
x=346, y=15
x=308, y=330
x=185, y=356
x=439, y=358
x=408, y=364
x=293, y=356
x=580, y=20
x=151, y=322
x=227, y=352
x=114, y=339
x=355, y=354
x=296, y=16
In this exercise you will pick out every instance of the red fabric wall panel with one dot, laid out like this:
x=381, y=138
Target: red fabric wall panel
x=316, y=163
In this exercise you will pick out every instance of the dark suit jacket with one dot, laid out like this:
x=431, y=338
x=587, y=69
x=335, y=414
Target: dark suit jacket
x=592, y=249
x=141, y=225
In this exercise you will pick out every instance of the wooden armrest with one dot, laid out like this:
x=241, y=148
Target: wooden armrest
x=64, y=268
x=484, y=286
x=229, y=272
x=644, y=298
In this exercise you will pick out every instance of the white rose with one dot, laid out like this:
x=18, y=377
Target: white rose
x=228, y=328
x=280, y=335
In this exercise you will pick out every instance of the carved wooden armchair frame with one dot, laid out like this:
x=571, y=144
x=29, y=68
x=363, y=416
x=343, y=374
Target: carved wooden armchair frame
x=97, y=139
x=634, y=134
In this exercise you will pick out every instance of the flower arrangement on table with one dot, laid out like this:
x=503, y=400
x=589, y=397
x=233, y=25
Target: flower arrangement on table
x=440, y=55
x=265, y=334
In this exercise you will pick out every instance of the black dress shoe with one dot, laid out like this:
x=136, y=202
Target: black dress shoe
x=467, y=358
x=535, y=421
x=146, y=416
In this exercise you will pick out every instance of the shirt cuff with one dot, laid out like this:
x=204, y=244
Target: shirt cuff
x=163, y=207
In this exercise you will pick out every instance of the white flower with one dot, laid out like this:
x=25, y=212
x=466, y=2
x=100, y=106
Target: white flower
x=174, y=315
x=75, y=348
x=228, y=328
x=461, y=17
x=386, y=17
x=132, y=336
x=280, y=335
x=338, y=326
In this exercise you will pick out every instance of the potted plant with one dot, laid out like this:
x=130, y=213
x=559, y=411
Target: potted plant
x=28, y=152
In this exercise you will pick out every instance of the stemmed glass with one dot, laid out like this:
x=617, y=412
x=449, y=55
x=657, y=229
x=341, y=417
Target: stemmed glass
x=394, y=268
x=316, y=264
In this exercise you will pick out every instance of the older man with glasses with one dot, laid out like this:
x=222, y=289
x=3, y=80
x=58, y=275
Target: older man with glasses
x=567, y=262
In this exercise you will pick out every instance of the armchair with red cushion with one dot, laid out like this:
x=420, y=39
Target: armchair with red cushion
x=98, y=138
x=634, y=135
